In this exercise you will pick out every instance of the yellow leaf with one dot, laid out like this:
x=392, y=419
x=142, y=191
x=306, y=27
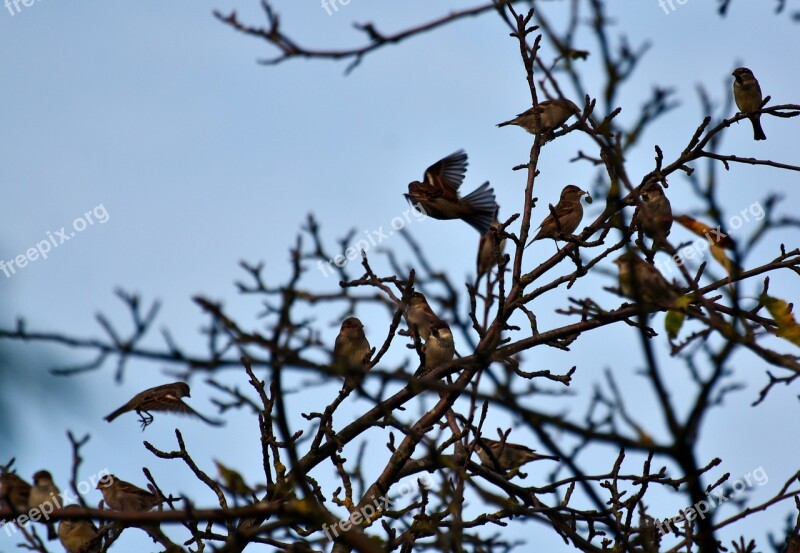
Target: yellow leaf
x=715, y=235
x=676, y=315
x=782, y=314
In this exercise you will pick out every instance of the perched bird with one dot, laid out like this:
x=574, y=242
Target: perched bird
x=506, y=456
x=655, y=212
x=165, y=398
x=124, y=496
x=569, y=213
x=747, y=93
x=45, y=492
x=419, y=315
x=642, y=282
x=351, y=353
x=551, y=115
x=486, y=249
x=439, y=348
x=232, y=481
x=14, y=492
x=76, y=535
x=438, y=195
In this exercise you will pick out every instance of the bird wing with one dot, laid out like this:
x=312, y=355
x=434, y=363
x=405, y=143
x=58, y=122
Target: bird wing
x=447, y=174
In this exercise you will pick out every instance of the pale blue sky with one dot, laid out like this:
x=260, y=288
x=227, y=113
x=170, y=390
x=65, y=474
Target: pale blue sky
x=203, y=158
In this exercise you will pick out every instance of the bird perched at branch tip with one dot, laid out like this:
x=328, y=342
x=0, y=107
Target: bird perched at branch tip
x=568, y=215
x=545, y=117
x=124, y=496
x=506, y=456
x=351, y=353
x=747, y=93
x=655, y=213
x=45, y=496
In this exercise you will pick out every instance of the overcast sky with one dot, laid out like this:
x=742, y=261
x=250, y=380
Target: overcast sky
x=190, y=157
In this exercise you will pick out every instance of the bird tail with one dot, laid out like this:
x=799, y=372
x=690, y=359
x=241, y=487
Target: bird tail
x=482, y=208
x=758, y=131
x=117, y=413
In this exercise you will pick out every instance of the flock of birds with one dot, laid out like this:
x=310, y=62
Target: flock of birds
x=438, y=195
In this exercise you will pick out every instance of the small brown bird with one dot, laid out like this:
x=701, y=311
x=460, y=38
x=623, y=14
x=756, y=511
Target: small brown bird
x=747, y=93
x=351, y=353
x=165, y=398
x=655, y=213
x=569, y=212
x=506, y=456
x=642, y=282
x=420, y=315
x=438, y=195
x=486, y=248
x=76, y=535
x=45, y=496
x=124, y=496
x=551, y=115
x=14, y=492
x=439, y=348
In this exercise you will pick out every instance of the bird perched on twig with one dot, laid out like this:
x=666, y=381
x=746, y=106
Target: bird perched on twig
x=439, y=348
x=486, y=250
x=14, y=492
x=124, y=496
x=76, y=535
x=568, y=215
x=747, y=93
x=655, y=213
x=545, y=117
x=165, y=398
x=642, y=282
x=506, y=456
x=437, y=194
x=419, y=315
x=232, y=481
x=45, y=496
x=351, y=353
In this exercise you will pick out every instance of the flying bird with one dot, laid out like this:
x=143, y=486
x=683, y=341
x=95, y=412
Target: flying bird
x=165, y=398
x=437, y=194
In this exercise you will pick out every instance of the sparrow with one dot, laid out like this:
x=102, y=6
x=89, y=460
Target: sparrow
x=124, y=496
x=419, y=315
x=76, y=535
x=655, y=212
x=747, y=93
x=45, y=492
x=551, y=115
x=166, y=398
x=506, y=456
x=569, y=213
x=642, y=282
x=437, y=194
x=486, y=248
x=439, y=348
x=351, y=353
x=14, y=492
x=232, y=481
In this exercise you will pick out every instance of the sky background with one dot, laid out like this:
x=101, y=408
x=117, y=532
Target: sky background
x=159, y=116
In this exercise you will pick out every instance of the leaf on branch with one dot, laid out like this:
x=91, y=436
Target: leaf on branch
x=714, y=235
x=782, y=314
x=675, y=316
